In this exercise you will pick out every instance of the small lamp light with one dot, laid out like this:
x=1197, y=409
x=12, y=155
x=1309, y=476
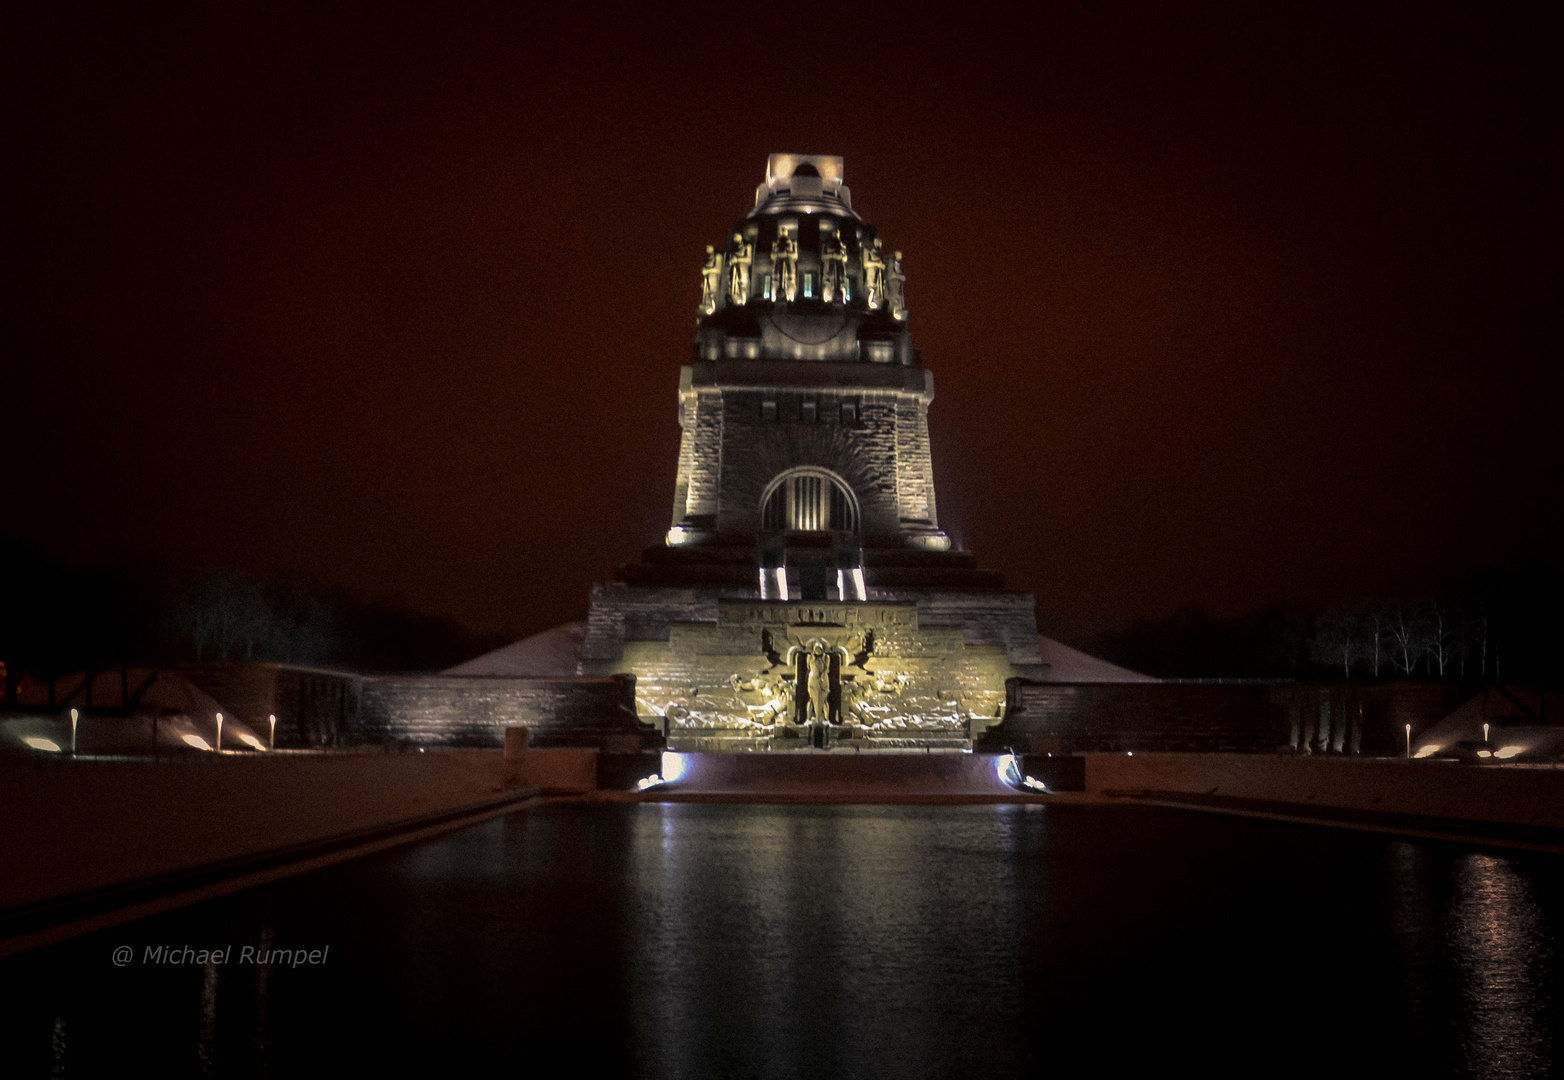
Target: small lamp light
x=271, y=743
x=1409, y=740
x=219, y=733
x=1485, y=733
x=73, y=731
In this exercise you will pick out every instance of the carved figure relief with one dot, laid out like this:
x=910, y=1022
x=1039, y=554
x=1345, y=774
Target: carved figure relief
x=833, y=266
x=738, y=269
x=851, y=671
x=784, y=267
x=768, y=699
x=711, y=280
x=896, y=288
x=873, y=276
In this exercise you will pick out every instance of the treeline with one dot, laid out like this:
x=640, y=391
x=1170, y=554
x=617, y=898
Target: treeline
x=56, y=619
x=1506, y=626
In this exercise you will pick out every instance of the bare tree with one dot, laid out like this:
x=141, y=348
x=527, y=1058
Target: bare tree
x=1442, y=634
x=227, y=618
x=1340, y=638
x=1375, y=625
x=1406, y=636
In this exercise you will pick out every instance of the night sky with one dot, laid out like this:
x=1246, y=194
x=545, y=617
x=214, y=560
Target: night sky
x=1234, y=308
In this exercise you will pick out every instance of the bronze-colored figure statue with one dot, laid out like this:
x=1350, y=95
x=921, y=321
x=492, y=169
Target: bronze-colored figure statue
x=896, y=289
x=784, y=267
x=711, y=280
x=873, y=276
x=819, y=662
x=833, y=266
x=738, y=269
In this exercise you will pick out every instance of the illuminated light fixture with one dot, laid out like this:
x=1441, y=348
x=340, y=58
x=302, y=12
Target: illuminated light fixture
x=1008, y=768
x=678, y=535
x=1427, y=751
x=1485, y=733
x=1409, y=740
x=73, y=731
x=272, y=740
x=849, y=584
x=42, y=744
x=773, y=583
x=219, y=733
x=1506, y=752
x=197, y=742
x=675, y=766
x=1485, y=753
x=648, y=782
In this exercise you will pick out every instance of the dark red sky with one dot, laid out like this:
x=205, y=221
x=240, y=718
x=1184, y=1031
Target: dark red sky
x=1236, y=308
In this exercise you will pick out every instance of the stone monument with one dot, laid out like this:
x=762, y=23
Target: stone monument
x=805, y=595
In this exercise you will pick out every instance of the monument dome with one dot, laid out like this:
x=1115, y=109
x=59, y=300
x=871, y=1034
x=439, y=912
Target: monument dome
x=803, y=277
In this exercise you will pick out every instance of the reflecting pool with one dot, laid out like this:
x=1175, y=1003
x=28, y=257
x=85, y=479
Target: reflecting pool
x=695, y=940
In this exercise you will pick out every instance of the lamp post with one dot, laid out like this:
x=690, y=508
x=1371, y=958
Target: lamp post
x=271, y=742
x=1409, y=741
x=73, y=731
x=1485, y=734
x=219, y=733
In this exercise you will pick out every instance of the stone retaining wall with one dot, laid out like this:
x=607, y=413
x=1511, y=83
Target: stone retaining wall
x=1305, y=718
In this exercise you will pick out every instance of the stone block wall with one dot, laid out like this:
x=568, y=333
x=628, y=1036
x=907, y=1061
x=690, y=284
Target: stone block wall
x=621, y=613
x=1302, y=718
x=318, y=707
x=754, y=451
x=1150, y=717
x=746, y=422
x=465, y=710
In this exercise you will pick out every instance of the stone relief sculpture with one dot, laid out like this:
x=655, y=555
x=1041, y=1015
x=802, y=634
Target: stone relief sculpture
x=711, y=280
x=859, y=693
x=784, y=267
x=896, y=288
x=833, y=267
x=738, y=269
x=873, y=275
x=767, y=699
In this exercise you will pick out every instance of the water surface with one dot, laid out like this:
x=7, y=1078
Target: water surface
x=689, y=940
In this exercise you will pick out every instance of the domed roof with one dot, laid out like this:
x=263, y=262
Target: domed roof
x=804, y=184
x=803, y=277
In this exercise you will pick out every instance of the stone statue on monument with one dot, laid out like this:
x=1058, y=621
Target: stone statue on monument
x=896, y=289
x=873, y=275
x=738, y=269
x=819, y=663
x=711, y=280
x=833, y=266
x=784, y=267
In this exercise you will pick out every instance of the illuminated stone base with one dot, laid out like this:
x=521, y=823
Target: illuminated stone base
x=781, y=675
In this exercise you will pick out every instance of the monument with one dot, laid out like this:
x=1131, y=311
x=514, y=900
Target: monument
x=805, y=595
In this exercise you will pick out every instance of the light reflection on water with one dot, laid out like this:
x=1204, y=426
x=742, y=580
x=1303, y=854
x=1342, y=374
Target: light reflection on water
x=757, y=931
x=1479, y=962
x=686, y=940
x=1502, y=958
